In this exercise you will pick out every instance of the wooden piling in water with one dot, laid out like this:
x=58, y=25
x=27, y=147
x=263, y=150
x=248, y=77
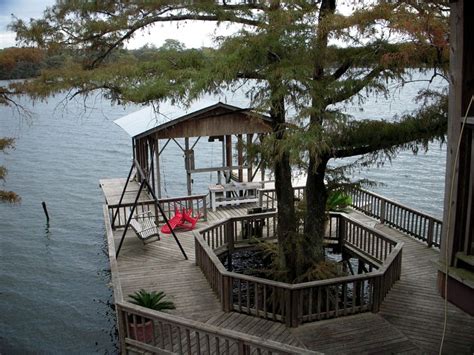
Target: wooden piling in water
x=45, y=209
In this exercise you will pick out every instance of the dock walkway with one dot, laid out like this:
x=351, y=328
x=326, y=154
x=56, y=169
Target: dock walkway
x=410, y=319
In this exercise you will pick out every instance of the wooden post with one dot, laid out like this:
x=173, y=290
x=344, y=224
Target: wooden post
x=228, y=155
x=121, y=327
x=429, y=237
x=229, y=231
x=249, y=161
x=151, y=173
x=45, y=209
x=288, y=308
x=158, y=177
x=341, y=232
x=204, y=207
x=382, y=211
x=188, y=166
x=243, y=349
x=240, y=157
x=295, y=308
x=377, y=289
x=226, y=296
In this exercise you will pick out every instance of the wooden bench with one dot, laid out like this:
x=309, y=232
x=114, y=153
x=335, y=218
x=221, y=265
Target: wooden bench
x=145, y=228
x=240, y=193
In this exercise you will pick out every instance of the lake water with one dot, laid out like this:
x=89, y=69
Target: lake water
x=54, y=293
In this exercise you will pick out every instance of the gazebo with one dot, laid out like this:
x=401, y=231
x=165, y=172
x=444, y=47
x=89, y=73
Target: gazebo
x=152, y=130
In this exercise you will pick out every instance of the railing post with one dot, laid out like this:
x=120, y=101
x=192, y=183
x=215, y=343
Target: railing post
x=429, y=237
x=121, y=324
x=243, y=349
x=260, y=197
x=229, y=235
x=377, y=291
x=341, y=233
x=197, y=254
x=295, y=308
x=382, y=210
x=288, y=312
x=204, y=207
x=226, y=295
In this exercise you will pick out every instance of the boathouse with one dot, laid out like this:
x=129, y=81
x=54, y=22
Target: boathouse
x=235, y=127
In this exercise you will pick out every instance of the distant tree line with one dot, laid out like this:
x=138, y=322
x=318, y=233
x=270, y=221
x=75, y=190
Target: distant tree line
x=25, y=62
x=28, y=62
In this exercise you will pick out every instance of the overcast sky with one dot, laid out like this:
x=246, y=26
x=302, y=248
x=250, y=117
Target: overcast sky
x=193, y=35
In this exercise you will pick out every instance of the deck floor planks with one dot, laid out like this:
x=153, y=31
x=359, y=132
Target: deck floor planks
x=410, y=319
x=364, y=333
x=161, y=266
x=255, y=326
x=415, y=308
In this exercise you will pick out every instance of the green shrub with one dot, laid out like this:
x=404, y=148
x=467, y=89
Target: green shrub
x=153, y=300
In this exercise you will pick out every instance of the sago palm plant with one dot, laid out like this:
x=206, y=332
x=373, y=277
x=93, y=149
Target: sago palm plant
x=153, y=300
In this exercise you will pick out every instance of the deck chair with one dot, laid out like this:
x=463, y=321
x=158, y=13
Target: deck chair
x=145, y=228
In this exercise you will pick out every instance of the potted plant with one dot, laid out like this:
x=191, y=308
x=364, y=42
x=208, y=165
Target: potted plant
x=141, y=328
x=337, y=201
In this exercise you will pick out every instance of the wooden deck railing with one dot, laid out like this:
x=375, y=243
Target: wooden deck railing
x=294, y=304
x=267, y=196
x=169, y=334
x=195, y=203
x=144, y=330
x=412, y=222
x=240, y=229
x=417, y=224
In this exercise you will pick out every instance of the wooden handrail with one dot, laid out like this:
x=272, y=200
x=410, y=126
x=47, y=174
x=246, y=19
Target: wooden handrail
x=195, y=202
x=225, y=272
x=418, y=224
x=117, y=287
x=376, y=244
x=190, y=328
x=166, y=199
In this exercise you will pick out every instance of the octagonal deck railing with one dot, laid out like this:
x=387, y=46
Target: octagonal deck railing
x=294, y=304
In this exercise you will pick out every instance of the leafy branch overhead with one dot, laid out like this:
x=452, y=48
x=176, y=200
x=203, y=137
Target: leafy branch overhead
x=7, y=196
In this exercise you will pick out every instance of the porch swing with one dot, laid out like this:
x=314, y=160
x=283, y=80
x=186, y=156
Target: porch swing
x=143, y=224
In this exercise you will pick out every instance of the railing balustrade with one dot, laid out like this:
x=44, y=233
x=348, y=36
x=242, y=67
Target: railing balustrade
x=294, y=304
x=267, y=196
x=195, y=203
x=415, y=223
x=158, y=332
x=412, y=222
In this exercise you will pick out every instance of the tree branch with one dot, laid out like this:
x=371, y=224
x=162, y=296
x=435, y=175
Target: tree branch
x=363, y=137
x=351, y=90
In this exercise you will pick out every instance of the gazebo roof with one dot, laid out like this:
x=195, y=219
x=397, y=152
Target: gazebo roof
x=200, y=119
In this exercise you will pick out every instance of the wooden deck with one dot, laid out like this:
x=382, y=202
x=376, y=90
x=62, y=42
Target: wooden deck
x=410, y=319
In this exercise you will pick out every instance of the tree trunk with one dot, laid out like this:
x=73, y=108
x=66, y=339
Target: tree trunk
x=286, y=218
x=286, y=229
x=316, y=196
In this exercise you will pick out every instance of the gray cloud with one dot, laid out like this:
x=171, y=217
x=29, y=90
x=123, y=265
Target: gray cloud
x=22, y=9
